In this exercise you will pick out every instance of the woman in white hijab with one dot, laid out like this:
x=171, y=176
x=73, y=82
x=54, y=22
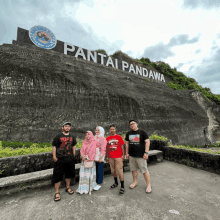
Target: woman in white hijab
x=100, y=155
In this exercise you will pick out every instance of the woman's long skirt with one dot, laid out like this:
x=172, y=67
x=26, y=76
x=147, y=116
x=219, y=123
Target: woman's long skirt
x=87, y=179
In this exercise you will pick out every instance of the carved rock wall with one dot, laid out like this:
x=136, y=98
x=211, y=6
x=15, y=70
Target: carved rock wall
x=41, y=89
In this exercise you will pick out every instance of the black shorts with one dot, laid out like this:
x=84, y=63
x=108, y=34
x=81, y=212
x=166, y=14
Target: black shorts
x=63, y=165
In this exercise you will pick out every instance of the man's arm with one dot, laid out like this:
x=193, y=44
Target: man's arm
x=123, y=151
x=147, y=147
x=54, y=150
x=126, y=148
x=74, y=142
x=74, y=150
x=107, y=150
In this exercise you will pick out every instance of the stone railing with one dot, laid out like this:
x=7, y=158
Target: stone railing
x=28, y=163
x=200, y=160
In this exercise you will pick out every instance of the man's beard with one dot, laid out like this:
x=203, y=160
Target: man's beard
x=65, y=131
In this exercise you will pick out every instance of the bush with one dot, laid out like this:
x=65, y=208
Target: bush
x=157, y=137
x=79, y=143
x=34, y=149
x=191, y=147
x=12, y=144
x=102, y=51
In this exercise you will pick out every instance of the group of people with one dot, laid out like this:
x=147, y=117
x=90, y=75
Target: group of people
x=93, y=152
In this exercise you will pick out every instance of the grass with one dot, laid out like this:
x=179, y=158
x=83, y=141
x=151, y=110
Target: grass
x=17, y=148
x=4, y=166
x=192, y=147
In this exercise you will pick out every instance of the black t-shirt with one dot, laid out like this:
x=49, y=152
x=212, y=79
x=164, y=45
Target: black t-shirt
x=136, y=142
x=64, y=144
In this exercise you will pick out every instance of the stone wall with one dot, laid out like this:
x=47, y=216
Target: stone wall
x=41, y=89
x=29, y=163
x=204, y=161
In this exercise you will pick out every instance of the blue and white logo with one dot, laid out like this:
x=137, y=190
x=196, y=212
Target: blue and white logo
x=42, y=37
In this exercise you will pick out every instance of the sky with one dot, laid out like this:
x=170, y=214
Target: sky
x=183, y=33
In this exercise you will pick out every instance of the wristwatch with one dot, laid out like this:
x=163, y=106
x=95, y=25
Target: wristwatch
x=146, y=152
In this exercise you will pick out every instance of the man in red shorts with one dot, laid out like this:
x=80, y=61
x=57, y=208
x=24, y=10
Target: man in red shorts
x=115, y=156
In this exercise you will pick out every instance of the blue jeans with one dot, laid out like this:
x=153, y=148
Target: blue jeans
x=99, y=172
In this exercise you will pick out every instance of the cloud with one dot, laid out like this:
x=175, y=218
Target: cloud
x=182, y=39
x=218, y=36
x=129, y=53
x=162, y=51
x=3, y=31
x=191, y=68
x=214, y=47
x=180, y=65
x=208, y=71
x=207, y=4
x=159, y=51
x=55, y=17
x=198, y=51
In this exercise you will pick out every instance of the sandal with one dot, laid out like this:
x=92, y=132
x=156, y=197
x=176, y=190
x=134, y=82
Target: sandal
x=132, y=186
x=70, y=191
x=150, y=191
x=122, y=191
x=113, y=186
x=57, y=198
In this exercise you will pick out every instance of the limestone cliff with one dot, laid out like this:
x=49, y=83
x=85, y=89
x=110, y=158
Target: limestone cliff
x=41, y=89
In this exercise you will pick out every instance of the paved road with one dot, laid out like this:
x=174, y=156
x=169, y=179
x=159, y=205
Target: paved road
x=195, y=194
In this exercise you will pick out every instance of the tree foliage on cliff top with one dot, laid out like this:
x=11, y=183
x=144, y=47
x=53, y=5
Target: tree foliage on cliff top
x=179, y=80
x=102, y=51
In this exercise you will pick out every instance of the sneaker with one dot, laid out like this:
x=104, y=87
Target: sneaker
x=97, y=187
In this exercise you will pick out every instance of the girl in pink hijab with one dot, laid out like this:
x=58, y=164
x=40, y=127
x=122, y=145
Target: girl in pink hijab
x=100, y=154
x=87, y=181
x=88, y=147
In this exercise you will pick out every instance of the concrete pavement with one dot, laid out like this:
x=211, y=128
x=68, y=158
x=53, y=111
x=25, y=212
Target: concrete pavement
x=194, y=193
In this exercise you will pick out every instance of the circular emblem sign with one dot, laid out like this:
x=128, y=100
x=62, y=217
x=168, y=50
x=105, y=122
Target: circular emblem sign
x=42, y=37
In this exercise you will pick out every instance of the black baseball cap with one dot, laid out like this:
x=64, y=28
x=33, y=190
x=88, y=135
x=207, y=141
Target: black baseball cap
x=66, y=123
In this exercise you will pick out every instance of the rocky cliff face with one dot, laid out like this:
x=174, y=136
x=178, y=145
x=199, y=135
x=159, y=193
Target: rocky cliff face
x=213, y=113
x=41, y=89
x=216, y=130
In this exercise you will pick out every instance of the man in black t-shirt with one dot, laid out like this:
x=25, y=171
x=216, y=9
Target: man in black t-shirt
x=138, y=143
x=63, y=150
